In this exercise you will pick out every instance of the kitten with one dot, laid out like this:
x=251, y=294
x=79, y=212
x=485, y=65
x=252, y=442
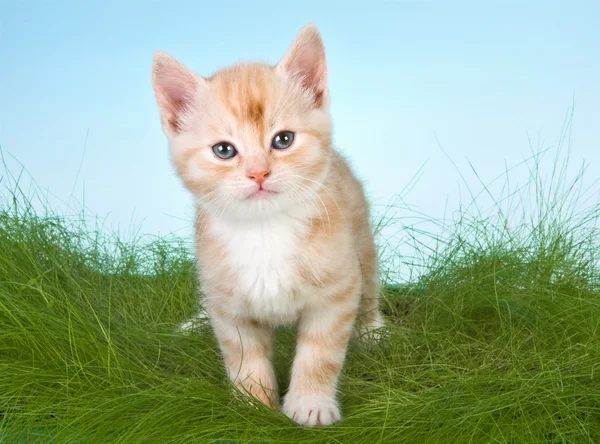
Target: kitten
x=283, y=230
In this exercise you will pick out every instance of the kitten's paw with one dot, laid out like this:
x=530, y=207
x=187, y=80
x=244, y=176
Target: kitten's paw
x=311, y=410
x=372, y=329
x=258, y=382
x=253, y=393
x=189, y=326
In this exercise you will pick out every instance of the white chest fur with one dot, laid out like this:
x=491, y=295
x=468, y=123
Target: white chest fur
x=263, y=256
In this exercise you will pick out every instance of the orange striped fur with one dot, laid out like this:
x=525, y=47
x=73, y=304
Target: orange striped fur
x=295, y=246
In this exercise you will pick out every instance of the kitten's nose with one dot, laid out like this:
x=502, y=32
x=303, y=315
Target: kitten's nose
x=259, y=176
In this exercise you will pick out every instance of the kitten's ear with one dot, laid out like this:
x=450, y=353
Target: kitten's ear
x=175, y=88
x=305, y=60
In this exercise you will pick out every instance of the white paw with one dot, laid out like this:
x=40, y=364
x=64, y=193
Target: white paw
x=311, y=410
x=372, y=330
x=195, y=322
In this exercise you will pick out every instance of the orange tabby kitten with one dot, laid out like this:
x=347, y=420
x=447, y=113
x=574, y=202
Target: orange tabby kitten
x=283, y=230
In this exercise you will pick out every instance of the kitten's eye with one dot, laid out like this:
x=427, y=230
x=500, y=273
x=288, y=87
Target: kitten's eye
x=283, y=140
x=224, y=150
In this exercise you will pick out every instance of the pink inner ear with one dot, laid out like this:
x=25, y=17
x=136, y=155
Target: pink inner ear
x=177, y=95
x=177, y=100
x=175, y=87
x=312, y=71
x=306, y=59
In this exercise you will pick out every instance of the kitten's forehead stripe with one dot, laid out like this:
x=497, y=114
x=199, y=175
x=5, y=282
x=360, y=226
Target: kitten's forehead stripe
x=255, y=113
x=245, y=91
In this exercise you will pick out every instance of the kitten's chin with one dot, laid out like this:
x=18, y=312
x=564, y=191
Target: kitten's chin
x=256, y=205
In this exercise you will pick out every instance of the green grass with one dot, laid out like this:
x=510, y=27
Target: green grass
x=495, y=340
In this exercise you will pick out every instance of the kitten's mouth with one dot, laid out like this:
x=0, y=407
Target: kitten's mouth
x=262, y=193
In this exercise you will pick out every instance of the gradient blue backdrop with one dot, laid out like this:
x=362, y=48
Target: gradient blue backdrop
x=479, y=75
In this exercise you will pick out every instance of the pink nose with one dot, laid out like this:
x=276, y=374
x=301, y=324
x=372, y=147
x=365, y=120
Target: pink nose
x=259, y=176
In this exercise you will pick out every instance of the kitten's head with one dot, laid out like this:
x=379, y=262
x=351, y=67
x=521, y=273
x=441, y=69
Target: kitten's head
x=253, y=139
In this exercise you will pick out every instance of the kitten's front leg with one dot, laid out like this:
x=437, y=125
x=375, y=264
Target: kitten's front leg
x=323, y=335
x=246, y=346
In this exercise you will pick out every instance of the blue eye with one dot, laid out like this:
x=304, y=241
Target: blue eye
x=224, y=150
x=283, y=140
